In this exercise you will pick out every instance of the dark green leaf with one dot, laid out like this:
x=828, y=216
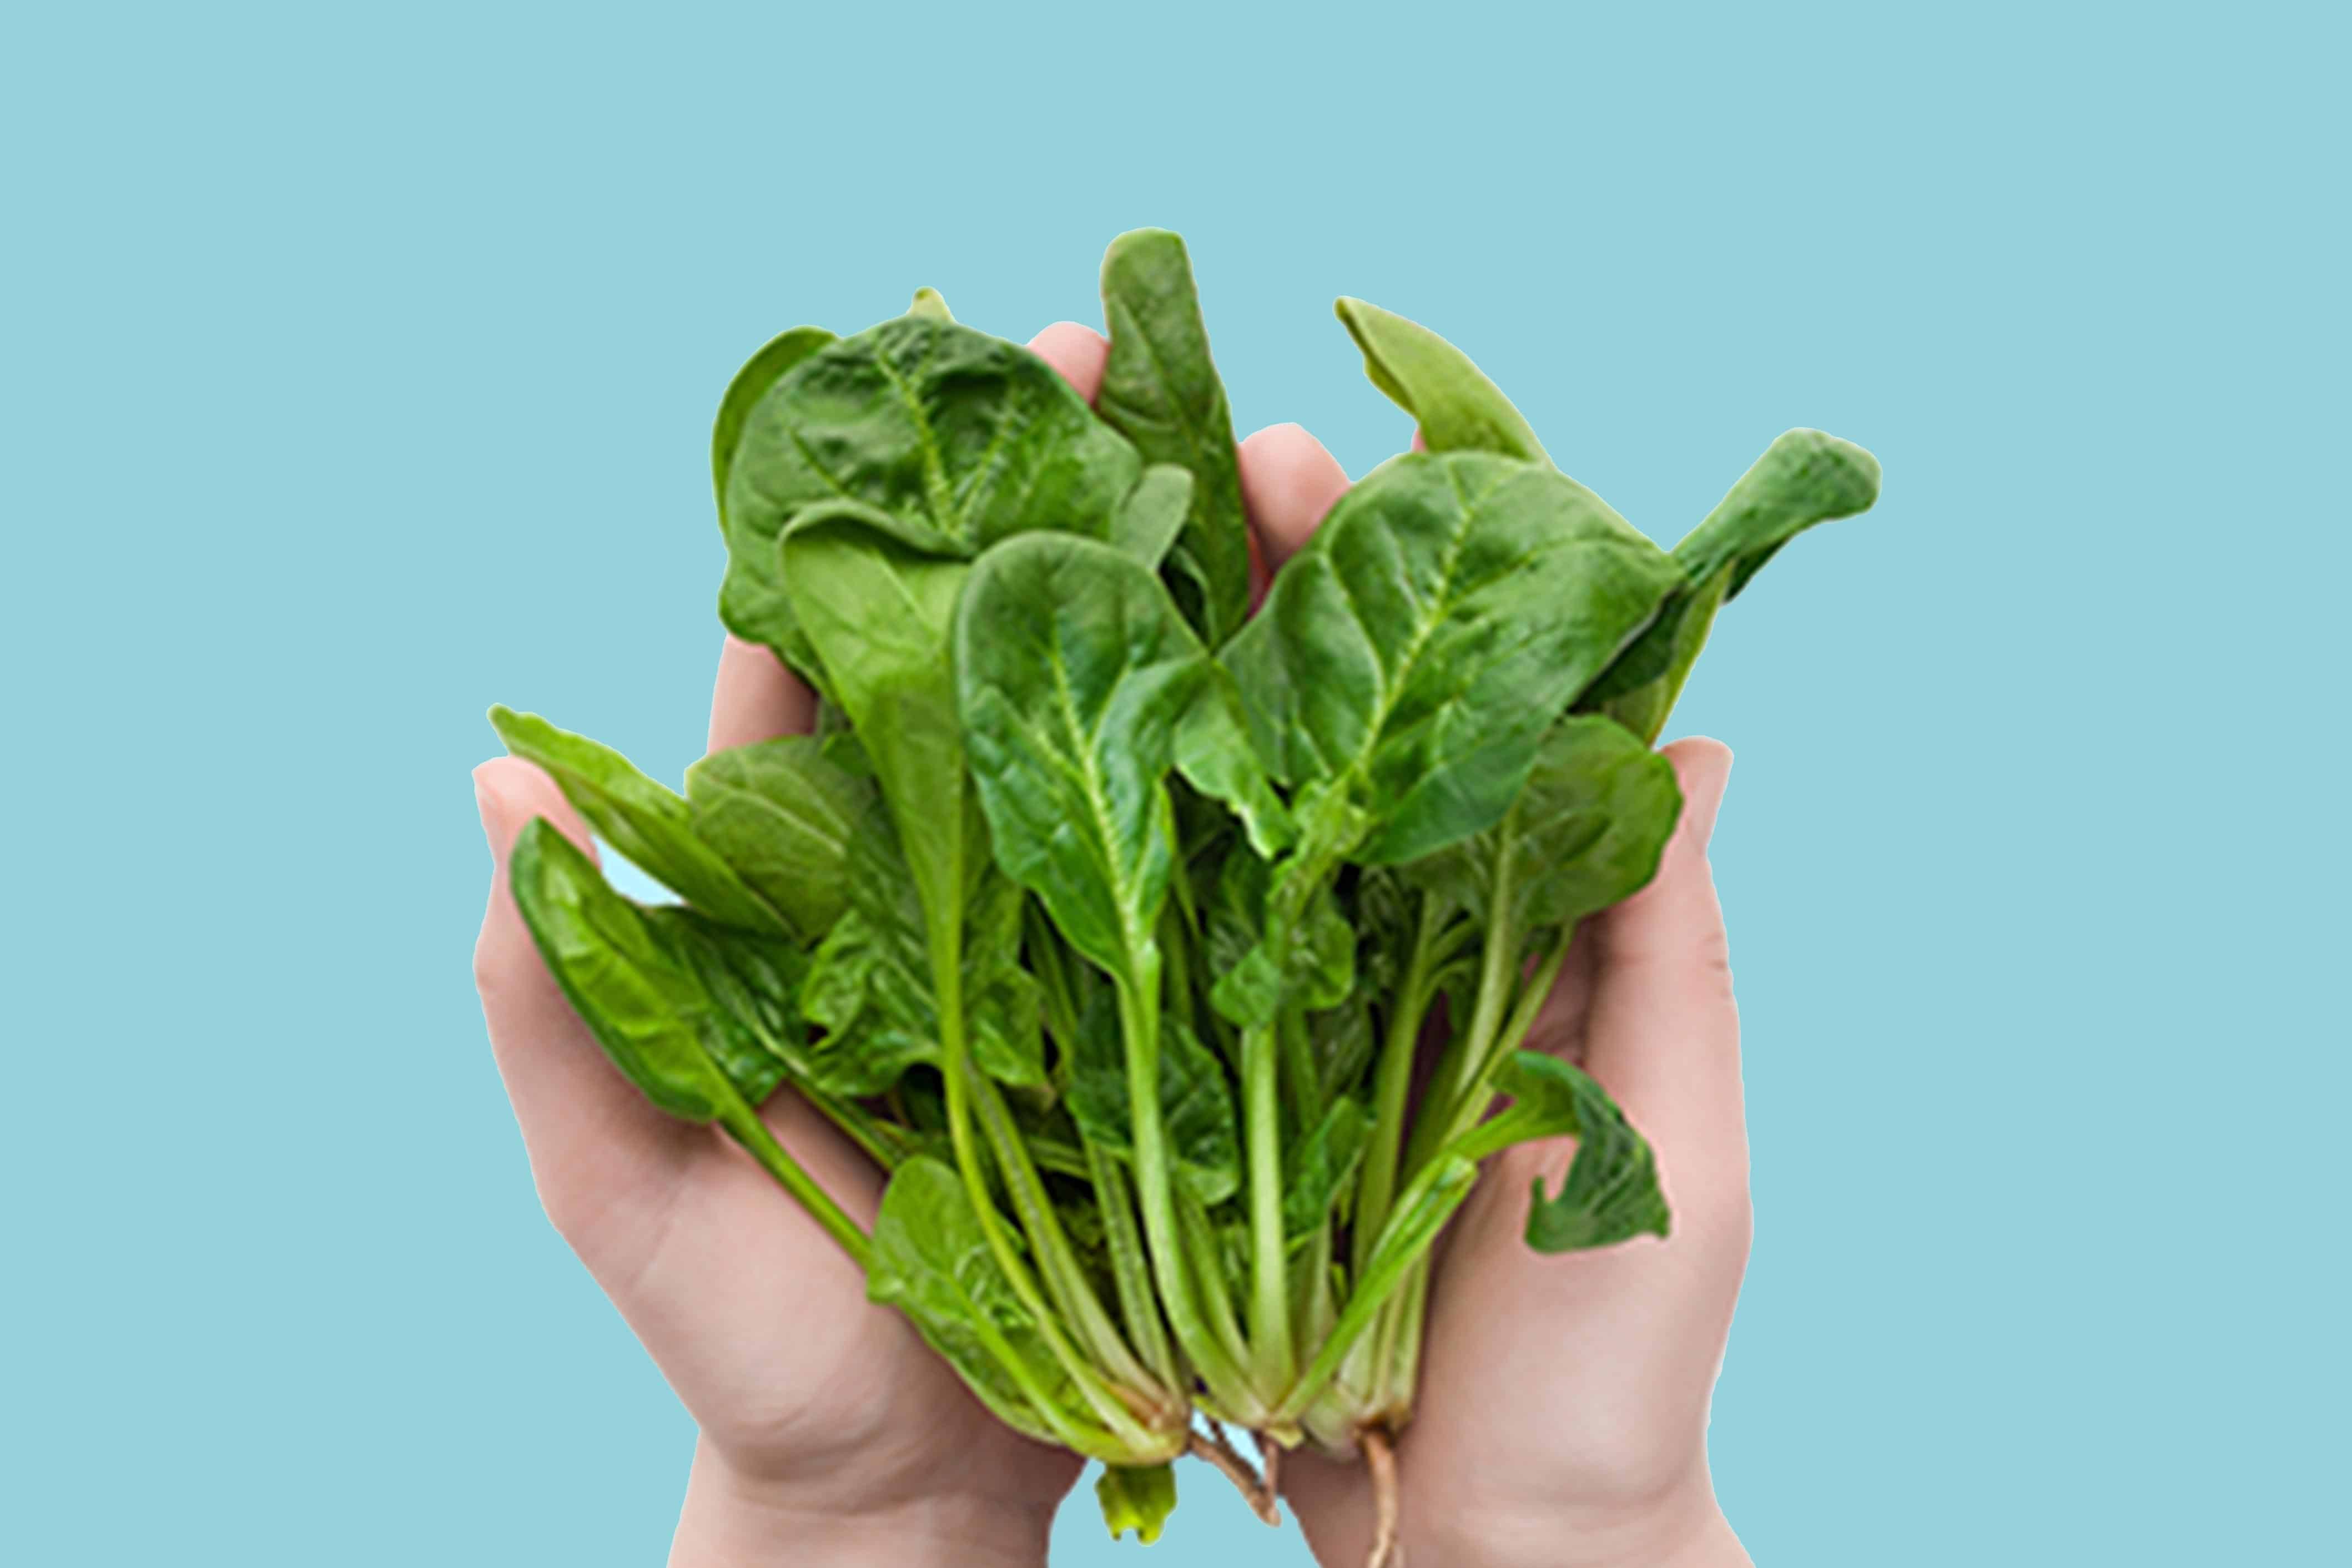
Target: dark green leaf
x=640, y=818
x=1585, y=833
x=781, y=815
x=760, y=371
x=1803, y=478
x=1611, y=1193
x=1457, y=408
x=1411, y=657
x=753, y=986
x=962, y=437
x=1137, y=1498
x=1195, y=1100
x=1161, y=389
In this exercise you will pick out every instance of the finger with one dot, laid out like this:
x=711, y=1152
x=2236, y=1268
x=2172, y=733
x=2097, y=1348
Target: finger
x=755, y=698
x=1077, y=351
x=1662, y=1034
x=1289, y=482
x=585, y=1127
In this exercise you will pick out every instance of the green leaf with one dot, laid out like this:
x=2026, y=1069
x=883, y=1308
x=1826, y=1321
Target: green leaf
x=753, y=986
x=1195, y=1100
x=1585, y=833
x=932, y=1261
x=641, y=819
x=1148, y=521
x=1161, y=389
x=781, y=815
x=929, y=302
x=1074, y=668
x=1318, y=1168
x=870, y=985
x=962, y=437
x=1137, y=1498
x=1457, y=408
x=1805, y=478
x=1411, y=655
x=762, y=370
x=878, y=615
x=1611, y=1193
x=648, y=1013
x=1215, y=754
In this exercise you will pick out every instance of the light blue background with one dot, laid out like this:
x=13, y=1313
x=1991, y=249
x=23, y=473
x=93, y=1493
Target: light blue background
x=357, y=368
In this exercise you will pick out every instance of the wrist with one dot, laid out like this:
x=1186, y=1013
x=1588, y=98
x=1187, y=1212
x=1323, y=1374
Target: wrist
x=730, y=1520
x=1686, y=1528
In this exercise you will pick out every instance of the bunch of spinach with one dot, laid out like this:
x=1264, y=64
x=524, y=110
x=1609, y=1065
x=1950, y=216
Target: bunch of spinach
x=1108, y=918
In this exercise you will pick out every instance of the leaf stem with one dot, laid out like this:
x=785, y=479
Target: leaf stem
x=1392, y=1083
x=746, y=1126
x=1130, y=1268
x=1272, y=1360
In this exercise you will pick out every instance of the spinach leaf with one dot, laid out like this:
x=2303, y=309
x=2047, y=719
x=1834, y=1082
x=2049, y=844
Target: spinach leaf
x=762, y=370
x=781, y=815
x=644, y=1008
x=1196, y=1102
x=1137, y=1498
x=1318, y=1170
x=871, y=985
x=1074, y=668
x=933, y=1263
x=1214, y=756
x=1411, y=657
x=1457, y=408
x=1611, y=1192
x=929, y=302
x=1803, y=478
x=1153, y=514
x=643, y=822
x=960, y=437
x=1586, y=831
x=1161, y=391
x=751, y=985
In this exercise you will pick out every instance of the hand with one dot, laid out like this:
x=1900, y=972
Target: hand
x=1562, y=1410
x=830, y=1433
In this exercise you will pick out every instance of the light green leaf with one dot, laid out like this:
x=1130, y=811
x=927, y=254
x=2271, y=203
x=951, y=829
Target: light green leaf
x=929, y=302
x=1148, y=521
x=762, y=370
x=1457, y=408
x=643, y=822
x=781, y=815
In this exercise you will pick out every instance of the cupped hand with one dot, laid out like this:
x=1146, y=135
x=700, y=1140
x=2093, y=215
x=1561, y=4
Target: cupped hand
x=1562, y=1416
x=830, y=1433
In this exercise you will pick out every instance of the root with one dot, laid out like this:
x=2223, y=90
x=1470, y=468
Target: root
x=1381, y=1459
x=1219, y=1450
x=1271, y=1451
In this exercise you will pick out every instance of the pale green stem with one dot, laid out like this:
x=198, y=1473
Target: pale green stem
x=1272, y=1361
x=1130, y=1268
x=744, y=1124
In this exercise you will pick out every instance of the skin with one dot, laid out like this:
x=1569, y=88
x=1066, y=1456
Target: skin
x=1564, y=1400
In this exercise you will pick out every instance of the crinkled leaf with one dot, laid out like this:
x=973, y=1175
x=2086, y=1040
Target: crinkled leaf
x=870, y=983
x=1410, y=656
x=753, y=986
x=1215, y=754
x=1160, y=389
x=781, y=815
x=1611, y=1193
x=963, y=437
x=1137, y=1498
x=649, y=825
x=1457, y=408
x=1196, y=1102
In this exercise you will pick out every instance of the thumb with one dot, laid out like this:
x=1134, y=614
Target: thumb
x=590, y=1135
x=1663, y=1032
